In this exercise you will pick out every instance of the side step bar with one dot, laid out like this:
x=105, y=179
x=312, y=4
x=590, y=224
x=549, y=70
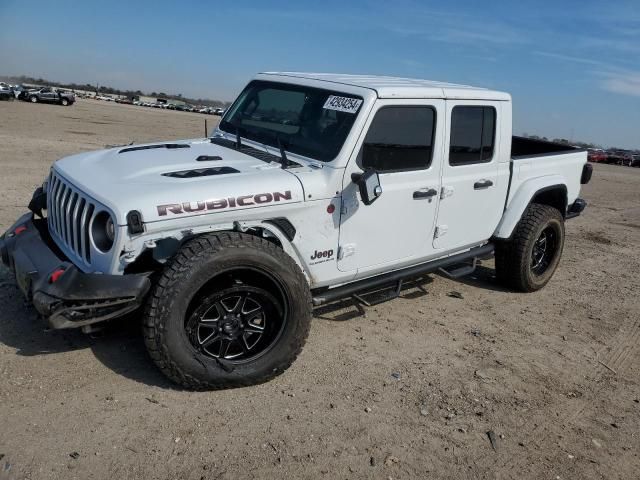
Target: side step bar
x=395, y=293
x=322, y=296
x=460, y=270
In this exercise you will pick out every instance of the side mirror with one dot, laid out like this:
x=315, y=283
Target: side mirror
x=369, y=184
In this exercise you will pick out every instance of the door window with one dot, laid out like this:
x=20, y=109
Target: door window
x=399, y=139
x=473, y=132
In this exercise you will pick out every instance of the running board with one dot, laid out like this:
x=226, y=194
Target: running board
x=460, y=270
x=395, y=293
x=326, y=295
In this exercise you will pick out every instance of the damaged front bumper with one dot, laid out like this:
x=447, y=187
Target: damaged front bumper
x=60, y=292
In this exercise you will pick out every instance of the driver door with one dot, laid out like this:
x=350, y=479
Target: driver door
x=403, y=144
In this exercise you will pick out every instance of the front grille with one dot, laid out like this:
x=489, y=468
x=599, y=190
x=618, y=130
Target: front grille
x=69, y=214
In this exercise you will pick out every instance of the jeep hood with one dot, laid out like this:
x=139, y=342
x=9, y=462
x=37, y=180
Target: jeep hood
x=187, y=178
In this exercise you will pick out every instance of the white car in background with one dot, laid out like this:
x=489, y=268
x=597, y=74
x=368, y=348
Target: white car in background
x=6, y=92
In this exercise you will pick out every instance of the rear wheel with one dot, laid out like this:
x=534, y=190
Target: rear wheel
x=528, y=260
x=230, y=310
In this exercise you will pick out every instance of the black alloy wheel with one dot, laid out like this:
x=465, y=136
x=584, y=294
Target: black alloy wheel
x=237, y=324
x=543, y=251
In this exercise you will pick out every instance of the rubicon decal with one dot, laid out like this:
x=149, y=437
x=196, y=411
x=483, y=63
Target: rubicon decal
x=223, y=203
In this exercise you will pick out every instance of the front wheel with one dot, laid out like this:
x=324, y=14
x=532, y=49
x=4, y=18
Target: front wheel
x=229, y=310
x=527, y=261
x=64, y=102
x=33, y=99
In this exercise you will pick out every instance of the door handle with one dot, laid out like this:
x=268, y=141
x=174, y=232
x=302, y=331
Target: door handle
x=481, y=184
x=425, y=193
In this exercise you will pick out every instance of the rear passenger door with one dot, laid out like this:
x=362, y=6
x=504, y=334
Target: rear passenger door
x=475, y=175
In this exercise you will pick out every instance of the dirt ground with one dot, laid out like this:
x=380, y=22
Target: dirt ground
x=406, y=389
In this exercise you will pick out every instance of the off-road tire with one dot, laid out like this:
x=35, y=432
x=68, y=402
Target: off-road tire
x=513, y=257
x=190, y=271
x=33, y=99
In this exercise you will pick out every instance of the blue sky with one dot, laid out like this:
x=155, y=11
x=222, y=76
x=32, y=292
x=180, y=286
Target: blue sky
x=572, y=67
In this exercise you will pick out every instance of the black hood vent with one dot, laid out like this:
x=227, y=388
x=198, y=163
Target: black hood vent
x=208, y=158
x=151, y=147
x=201, y=172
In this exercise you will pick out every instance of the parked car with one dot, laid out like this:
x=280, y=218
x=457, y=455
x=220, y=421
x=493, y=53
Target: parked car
x=21, y=92
x=618, y=157
x=635, y=160
x=50, y=95
x=626, y=159
x=417, y=178
x=6, y=92
x=219, y=111
x=597, y=156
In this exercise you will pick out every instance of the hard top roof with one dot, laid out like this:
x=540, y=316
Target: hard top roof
x=394, y=87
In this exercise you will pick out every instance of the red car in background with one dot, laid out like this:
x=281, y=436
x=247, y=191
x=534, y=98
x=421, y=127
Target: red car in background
x=597, y=156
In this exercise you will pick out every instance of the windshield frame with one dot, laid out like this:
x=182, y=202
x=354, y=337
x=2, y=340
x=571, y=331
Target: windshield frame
x=226, y=127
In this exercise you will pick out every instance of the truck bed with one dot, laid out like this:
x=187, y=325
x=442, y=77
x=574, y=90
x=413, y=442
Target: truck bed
x=536, y=159
x=522, y=147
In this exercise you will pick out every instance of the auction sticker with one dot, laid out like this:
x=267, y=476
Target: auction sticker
x=342, y=104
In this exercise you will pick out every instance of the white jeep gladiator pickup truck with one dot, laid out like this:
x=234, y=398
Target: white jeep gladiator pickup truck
x=313, y=188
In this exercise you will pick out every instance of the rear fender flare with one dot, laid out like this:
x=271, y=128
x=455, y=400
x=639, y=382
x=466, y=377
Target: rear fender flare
x=521, y=200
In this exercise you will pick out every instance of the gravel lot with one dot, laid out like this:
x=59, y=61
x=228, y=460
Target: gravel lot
x=407, y=389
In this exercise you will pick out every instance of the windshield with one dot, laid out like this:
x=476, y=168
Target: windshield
x=307, y=121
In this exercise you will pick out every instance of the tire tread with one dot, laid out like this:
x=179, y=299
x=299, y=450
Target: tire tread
x=511, y=257
x=188, y=255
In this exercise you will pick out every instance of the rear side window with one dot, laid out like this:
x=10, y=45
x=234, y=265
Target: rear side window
x=473, y=132
x=399, y=138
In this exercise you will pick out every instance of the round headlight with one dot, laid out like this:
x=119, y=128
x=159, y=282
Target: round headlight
x=103, y=231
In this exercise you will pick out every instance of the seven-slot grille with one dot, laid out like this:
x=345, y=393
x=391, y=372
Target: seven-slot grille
x=69, y=214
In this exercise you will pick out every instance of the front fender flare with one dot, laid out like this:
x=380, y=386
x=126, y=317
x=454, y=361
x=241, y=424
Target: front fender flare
x=282, y=237
x=521, y=200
